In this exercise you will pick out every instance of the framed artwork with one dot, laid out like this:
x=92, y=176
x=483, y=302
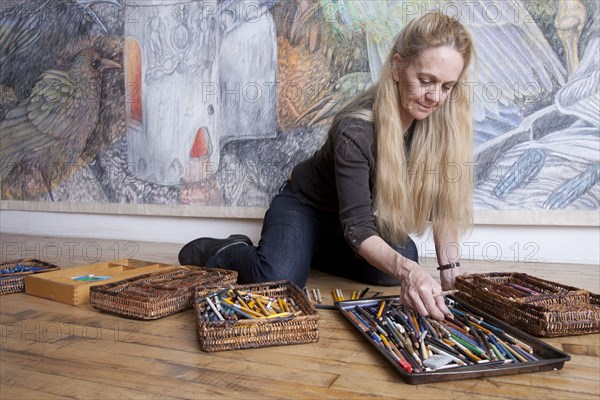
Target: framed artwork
x=202, y=108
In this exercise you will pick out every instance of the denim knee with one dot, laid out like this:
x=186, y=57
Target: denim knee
x=380, y=278
x=407, y=249
x=299, y=277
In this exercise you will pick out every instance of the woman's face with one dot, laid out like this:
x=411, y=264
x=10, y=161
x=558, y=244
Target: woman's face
x=426, y=82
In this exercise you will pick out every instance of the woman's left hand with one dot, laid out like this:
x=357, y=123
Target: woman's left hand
x=448, y=277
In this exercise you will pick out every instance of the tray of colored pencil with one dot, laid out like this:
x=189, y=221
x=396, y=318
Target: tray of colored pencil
x=537, y=306
x=13, y=273
x=472, y=344
x=157, y=294
x=254, y=315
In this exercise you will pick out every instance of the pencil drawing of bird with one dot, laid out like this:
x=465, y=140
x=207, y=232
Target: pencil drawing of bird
x=37, y=35
x=47, y=132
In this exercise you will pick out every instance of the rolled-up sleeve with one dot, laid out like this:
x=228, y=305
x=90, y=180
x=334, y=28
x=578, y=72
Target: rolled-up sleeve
x=354, y=168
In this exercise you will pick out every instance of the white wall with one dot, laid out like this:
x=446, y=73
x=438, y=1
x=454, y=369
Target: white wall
x=517, y=243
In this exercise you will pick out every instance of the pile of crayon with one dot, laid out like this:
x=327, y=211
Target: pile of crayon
x=525, y=290
x=420, y=344
x=338, y=295
x=20, y=268
x=316, y=295
x=232, y=304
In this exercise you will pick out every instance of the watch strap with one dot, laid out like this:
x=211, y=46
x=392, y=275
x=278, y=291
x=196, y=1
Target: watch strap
x=448, y=266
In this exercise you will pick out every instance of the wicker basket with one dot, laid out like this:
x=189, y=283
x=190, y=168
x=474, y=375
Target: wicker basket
x=558, y=310
x=14, y=283
x=253, y=333
x=158, y=294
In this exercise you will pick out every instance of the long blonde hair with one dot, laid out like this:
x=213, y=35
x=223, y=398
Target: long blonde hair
x=433, y=182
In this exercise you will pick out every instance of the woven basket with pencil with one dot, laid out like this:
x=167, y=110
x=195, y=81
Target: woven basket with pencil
x=254, y=315
x=537, y=306
x=12, y=279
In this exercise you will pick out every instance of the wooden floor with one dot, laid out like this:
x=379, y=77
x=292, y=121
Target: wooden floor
x=51, y=350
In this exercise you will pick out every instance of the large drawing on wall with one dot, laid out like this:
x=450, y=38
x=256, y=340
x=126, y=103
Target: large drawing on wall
x=203, y=107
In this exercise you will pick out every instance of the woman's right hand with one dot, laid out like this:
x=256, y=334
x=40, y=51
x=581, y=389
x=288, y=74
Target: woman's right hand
x=417, y=290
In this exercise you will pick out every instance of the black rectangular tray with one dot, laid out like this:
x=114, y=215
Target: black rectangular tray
x=550, y=358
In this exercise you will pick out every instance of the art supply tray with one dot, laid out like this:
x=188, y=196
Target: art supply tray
x=252, y=333
x=157, y=294
x=536, y=306
x=14, y=272
x=72, y=285
x=549, y=358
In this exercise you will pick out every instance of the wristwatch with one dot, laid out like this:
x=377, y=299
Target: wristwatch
x=448, y=266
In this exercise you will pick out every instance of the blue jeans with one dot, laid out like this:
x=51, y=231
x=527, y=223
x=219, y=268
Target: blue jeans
x=296, y=237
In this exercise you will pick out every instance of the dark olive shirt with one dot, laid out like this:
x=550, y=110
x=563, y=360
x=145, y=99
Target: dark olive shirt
x=339, y=178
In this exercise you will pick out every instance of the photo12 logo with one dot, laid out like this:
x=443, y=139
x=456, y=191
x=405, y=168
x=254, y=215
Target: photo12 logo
x=51, y=332
x=89, y=252
x=490, y=252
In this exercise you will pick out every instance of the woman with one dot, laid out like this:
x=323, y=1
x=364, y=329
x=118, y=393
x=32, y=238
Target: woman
x=383, y=172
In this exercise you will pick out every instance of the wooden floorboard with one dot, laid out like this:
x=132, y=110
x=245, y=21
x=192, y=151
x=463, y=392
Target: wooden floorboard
x=51, y=350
